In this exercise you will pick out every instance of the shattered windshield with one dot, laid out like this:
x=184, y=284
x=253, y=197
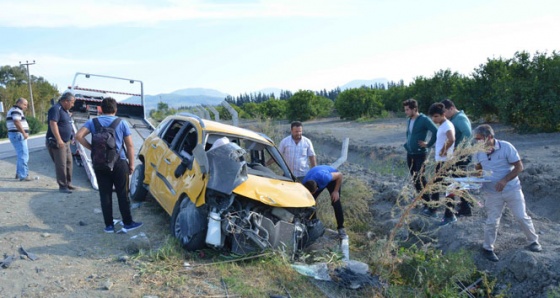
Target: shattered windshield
x=262, y=159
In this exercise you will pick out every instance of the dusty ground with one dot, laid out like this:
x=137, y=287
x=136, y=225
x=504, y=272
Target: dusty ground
x=520, y=273
x=75, y=257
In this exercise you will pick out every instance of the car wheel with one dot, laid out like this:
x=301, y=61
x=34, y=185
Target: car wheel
x=137, y=190
x=315, y=229
x=189, y=224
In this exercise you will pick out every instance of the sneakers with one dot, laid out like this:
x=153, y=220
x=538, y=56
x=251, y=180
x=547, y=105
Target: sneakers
x=490, y=255
x=535, y=247
x=429, y=212
x=26, y=179
x=448, y=220
x=109, y=229
x=132, y=226
x=342, y=234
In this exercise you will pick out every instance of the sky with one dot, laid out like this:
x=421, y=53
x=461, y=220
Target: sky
x=243, y=46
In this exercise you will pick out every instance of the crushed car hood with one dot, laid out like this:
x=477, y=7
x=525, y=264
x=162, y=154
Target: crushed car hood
x=274, y=192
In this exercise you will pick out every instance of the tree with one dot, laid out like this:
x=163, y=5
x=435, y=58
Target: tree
x=302, y=106
x=13, y=85
x=358, y=102
x=274, y=108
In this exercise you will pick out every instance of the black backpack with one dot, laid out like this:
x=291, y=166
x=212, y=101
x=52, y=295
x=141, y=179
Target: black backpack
x=104, y=151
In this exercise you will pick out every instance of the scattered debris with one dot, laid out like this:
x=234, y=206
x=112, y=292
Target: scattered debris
x=7, y=261
x=107, y=285
x=29, y=255
x=137, y=243
x=123, y=259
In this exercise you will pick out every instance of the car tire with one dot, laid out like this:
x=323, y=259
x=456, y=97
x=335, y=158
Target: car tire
x=315, y=230
x=137, y=190
x=189, y=224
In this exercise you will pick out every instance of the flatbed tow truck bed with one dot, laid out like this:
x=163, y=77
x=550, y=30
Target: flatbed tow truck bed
x=86, y=108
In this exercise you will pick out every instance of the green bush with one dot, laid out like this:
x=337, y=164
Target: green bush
x=3, y=130
x=35, y=126
x=429, y=273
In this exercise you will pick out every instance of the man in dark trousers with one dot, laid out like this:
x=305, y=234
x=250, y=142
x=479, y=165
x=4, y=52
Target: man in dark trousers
x=417, y=129
x=118, y=176
x=463, y=134
x=321, y=177
x=59, y=135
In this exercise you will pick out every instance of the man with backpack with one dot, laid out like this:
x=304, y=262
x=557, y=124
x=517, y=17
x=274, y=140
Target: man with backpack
x=109, y=138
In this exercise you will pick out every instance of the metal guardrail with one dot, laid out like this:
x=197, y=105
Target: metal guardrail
x=343, y=154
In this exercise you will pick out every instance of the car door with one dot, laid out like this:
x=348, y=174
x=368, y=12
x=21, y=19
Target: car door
x=160, y=149
x=152, y=149
x=182, y=170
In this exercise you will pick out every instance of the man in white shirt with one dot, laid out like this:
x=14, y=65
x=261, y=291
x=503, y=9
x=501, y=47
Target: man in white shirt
x=445, y=139
x=298, y=151
x=502, y=161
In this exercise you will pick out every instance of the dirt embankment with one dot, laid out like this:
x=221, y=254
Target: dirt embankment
x=520, y=273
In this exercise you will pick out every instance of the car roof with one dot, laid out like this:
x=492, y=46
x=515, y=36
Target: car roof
x=210, y=126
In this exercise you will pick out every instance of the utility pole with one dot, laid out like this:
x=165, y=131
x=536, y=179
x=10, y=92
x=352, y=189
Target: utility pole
x=27, y=63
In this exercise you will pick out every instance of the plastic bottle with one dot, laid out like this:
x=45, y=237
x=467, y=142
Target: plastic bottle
x=214, y=234
x=345, y=248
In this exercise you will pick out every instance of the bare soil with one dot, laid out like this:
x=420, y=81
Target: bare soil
x=76, y=259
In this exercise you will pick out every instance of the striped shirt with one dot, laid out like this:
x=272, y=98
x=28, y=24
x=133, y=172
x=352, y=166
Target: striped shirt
x=16, y=114
x=297, y=155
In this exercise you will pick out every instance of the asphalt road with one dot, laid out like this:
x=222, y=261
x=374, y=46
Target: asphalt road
x=35, y=143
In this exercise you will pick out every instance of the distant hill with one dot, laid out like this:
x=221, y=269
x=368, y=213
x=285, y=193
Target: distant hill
x=360, y=83
x=200, y=91
x=181, y=98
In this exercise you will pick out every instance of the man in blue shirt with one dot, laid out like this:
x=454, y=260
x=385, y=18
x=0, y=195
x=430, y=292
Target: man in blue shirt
x=321, y=177
x=118, y=176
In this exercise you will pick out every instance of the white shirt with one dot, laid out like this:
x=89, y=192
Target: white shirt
x=441, y=138
x=297, y=155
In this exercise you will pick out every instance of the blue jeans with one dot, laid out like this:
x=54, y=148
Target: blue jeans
x=20, y=145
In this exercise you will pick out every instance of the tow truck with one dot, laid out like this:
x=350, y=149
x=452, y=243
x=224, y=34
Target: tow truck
x=87, y=105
